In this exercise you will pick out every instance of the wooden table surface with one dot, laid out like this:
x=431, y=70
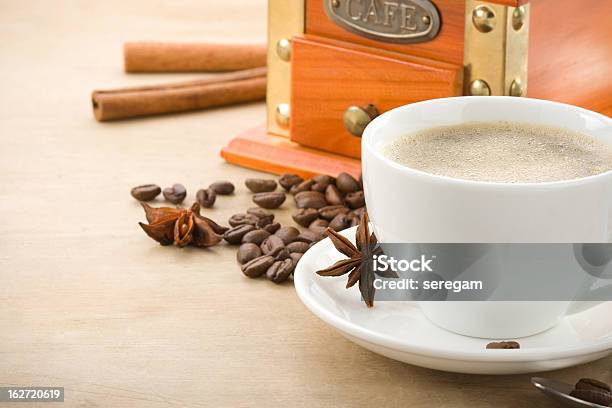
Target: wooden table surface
x=88, y=302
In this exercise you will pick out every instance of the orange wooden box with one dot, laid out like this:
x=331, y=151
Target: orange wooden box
x=330, y=59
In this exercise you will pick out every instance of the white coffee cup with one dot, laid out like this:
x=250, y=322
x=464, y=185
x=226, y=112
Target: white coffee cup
x=408, y=205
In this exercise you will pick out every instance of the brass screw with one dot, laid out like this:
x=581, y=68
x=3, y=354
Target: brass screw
x=283, y=49
x=426, y=20
x=516, y=88
x=479, y=87
x=282, y=114
x=518, y=18
x=335, y=3
x=484, y=19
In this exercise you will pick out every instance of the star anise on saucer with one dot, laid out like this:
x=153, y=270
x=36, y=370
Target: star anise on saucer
x=359, y=263
x=182, y=227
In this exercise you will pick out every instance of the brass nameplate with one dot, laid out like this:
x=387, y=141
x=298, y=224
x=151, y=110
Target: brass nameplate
x=401, y=21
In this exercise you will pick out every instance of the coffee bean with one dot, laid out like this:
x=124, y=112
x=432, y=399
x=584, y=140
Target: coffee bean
x=258, y=266
x=504, y=345
x=280, y=270
x=255, y=237
x=269, y=200
x=303, y=186
x=272, y=228
x=146, y=192
x=333, y=195
x=340, y=222
x=283, y=254
x=234, y=235
x=206, y=197
x=295, y=256
x=318, y=223
x=263, y=217
x=355, y=200
x=272, y=245
x=596, y=397
x=260, y=185
x=289, y=180
x=347, y=183
x=324, y=179
x=287, y=234
x=222, y=187
x=305, y=216
x=247, y=252
x=319, y=187
x=592, y=384
x=259, y=212
x=360, y=180
x=358, y=212
x=298, y=246
x=330, y=211
x=309, y=236
x=310, y=199
x=175, y=194
x=354, y=220
x=241, y=219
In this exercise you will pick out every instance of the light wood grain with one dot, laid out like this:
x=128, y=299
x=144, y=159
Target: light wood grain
x=329, y=76
x=88, y=302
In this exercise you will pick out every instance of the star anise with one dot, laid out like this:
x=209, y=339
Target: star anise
x=359, y=263
x=181, y=226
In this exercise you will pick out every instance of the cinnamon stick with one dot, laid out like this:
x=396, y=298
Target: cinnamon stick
x=223, y=89
x=192, y=57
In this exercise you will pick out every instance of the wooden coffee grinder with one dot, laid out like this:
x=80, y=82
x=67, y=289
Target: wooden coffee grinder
x=333, y=65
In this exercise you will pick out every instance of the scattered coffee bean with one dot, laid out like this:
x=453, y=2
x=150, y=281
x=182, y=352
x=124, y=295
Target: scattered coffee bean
x=260, y=212
x=592, y=384
x=222, y=187
x=297, y=246
x=287, y=234
x=309, y=236
x=206, y=197
x=234, y=235
x=269, y=200
x=324, y=179
x=354, y=220
x=333, y=195
x=272, y=228
x=358, y=212
x=272, y=245
x=318, y=223
x=241, y=219
x=260, y=185
x=280, y=270
x=289, y=180
x=504, y=345
x=247, y=252
x=340, y=222
x=255, y=237
x=310, y=199
x=263, y=217
x=329, y=212
x=295, y=256
x=146, y=192
x=283, y=254
x=305, y=216
x=303, y=186
x=175, y=194
x=355, y=200
x=258, y=266
x=347, y=183
x=596, y=397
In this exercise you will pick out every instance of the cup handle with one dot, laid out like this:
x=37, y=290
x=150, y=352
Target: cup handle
x=594, y=258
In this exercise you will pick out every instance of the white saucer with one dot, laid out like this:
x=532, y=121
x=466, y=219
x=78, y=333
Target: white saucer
x=399, y=330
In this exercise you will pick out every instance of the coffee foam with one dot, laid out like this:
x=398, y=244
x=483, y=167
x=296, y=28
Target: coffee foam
x=504, y=152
